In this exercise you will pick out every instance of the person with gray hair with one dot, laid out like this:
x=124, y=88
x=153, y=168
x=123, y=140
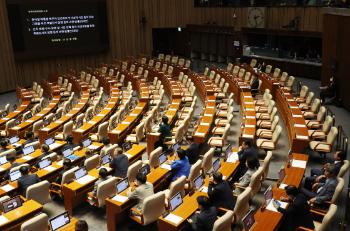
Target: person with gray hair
x=322, y=192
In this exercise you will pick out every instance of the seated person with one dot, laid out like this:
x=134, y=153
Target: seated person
x=180, y=167
x=317, y=175
x=192, y=151
x=328, y=91
x=3, y=144
x=220, y=192
x=26, y=180
x=244, y=181
x=165, y=132
x=143, y=189
x=254, y=86
x=67, y=164
x=69, y=143
x=29, y=138
x=119, y=163
x=45, y=150
x=81, y=225
x=246, y=151
x=322, y=192
x=298, y=212
x=11, y=159
x=204, y=219
x=106, y=144
x=103, y=175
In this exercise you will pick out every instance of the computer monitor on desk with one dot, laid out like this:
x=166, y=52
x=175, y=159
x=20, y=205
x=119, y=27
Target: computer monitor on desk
x=11, y=204
x=216, y=165
x=44, y=163
x=175, y=201
x=248, y=220
x=146, y=169
x=162, y=158
x=281, y=175
x=122, y=185
x=15, y=175
x=3, y=160
x=86, y=143
x=28, y=150
x=198, y=182
x=81, y=172
x=49, y=141
x=268, y=194
x=59, y=221
x=14, y=139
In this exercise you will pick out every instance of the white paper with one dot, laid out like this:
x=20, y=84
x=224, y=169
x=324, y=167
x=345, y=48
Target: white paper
x=2, y=169
x=125, y=122
x=85, y=179
x=200, y=134
x=3, y=220
x=7, y=187
x=39, y=114
x=299, y=164
x=92, y=147
x=166, y=166
x=54, y=145
x=297, y=116
x=282, y=186
x=120, y=198
x=29, y=121
x=27, y=157
x=60, y=163
x=233, y=157
x=249, y=126
x=248, y=136
x=204, y=189
x=91, y=122
x=107, y=168
x=272, y=208
x=17, y=111
x=250, y=117
x=133, y=114
x=46, y=129
x=302, y=137
x=69, y=114
x=50, y=168
x=79, y=130
x=100, y=115
x=173, y=218
x=16, y=128
x=5, y=118
x=299, y=125
x=76, y=108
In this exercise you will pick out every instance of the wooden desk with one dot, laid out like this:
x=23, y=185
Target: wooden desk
x=270, y=220
x=14, y=114
x=70, y=226
x=19, y=215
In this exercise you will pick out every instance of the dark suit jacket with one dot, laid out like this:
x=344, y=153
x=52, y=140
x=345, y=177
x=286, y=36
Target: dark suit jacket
x=221, y=195
x=25, y=181
x=120, y=165
x=205, y=219
x=297, y=214
x=255, y=84
x=327, y=190
x=243, y=155
x=193, y=153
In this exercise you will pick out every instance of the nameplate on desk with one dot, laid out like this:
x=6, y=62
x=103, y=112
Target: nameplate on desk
x=173, y=218
x=81, y=103
x=248, y=136
x=299, y=125
x=208, y=114
x=50, y=168
x=85, y=98
x=293, y=107
x=206, y=124
x=249, y=126
x=85, y=179
x=39, y=114
x=91, y=122
x=120, y=198
x=250, y=117
x=7, y=187
x=79, y=130
x=247, y=96
x=3, y=220
x=297, y=116
x=299, y=163
x=166, y=166
x=302, y=137
x=199, y=134
x=45, y=129
x=27, y=157
x=17, y=111
x=114, y=97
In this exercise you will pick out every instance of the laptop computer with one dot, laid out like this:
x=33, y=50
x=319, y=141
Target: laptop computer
x=146, y=169
x=175, y=201
x=86, y=143
x=176, y=147
x=28, y=116
x=68, y=153
x=281, y=175
x=122, y=185
x=105, y=159
x=216, y=165
x=268, y=194
x=3, y=160
x=81, y=172
x=28, y=150
x=11, y=204
x=228, y=151
x=248, y=220
x=15, y=175
x=51, y=142
x=198, y=182
x=14, y=139
x=59, y=221
x=162, y=158
x=44, y=163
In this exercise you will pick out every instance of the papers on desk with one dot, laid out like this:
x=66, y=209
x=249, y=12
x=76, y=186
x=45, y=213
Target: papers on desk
x=282, y=186
x=54, y=145
x=5, y=118
x=92, y=147
x=120, y=198
x=76, y=108
x=250, y=117
x=232, y=158
x=299, y=164
x=45, y=129
x=91, y=122
x=2, y=169
x=206, y=124
x=17, y=111
x=128, y=155
x=85, y=179
x=302, y=137
x=101, y=115
x=204, y=189
x=166, y=166
x=173, y=218
x=297, y=116
x=248, y=136
x=133, y=114
x=39, y=114
x=272, y=208
x=7, y=187
x=299, y=125
x=3, y=220
x=199, y=134
x=50, y=168
x=69, y=114
x=29, y=121
x=79, y=130
x=107, y=168
x=16, y=128
x=27, y=157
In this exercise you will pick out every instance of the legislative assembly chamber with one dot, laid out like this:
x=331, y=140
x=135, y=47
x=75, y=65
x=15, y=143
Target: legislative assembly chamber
x=168, y=115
